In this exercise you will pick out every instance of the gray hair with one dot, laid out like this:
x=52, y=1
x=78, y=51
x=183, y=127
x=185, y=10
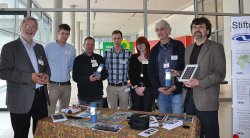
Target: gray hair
x=27, y=19
x=166, y=24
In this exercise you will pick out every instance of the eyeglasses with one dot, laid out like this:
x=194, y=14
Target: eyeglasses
x=26, y=26
x=160, y=29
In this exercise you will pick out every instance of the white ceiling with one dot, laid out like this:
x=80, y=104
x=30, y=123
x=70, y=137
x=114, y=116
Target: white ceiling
x=105, y=22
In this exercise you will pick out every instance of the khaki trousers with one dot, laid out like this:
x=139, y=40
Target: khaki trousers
x=114, y=94
x=59, y=93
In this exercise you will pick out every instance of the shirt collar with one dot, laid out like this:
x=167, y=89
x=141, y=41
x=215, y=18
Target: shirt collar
x=26, y=44
x=59, y=44
x=85, y=54
x=113, y=50
x=165, y=46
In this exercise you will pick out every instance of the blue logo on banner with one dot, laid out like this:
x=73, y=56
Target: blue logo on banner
x=242, y=37
x=240, y=133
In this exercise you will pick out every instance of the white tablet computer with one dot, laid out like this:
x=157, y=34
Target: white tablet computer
x=188, y=72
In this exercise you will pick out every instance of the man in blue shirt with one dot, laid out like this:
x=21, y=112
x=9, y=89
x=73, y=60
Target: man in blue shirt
x=61, y=57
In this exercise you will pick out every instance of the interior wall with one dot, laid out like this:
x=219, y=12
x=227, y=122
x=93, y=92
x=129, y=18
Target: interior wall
x=246, y=6
x=180, y=25
x=228, y=6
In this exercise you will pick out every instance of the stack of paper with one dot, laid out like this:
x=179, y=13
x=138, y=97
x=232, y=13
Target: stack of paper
x=172, y=124
x=148, y=132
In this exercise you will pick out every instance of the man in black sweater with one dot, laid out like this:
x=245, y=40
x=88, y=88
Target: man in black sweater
x=90, y=86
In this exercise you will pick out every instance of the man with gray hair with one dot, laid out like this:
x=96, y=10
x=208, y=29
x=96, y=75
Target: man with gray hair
x=24, y=66
x=167, y=53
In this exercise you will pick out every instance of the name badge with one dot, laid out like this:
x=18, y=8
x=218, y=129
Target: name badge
x=67, y=52
x=94, y=63
x=174, y=57
x=145, y=62
x=122, y=61
x=166, y=65
x=40, y=61
x=127, y=89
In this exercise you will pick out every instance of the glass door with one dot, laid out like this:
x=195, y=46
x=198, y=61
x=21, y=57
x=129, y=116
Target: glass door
x=9, y=31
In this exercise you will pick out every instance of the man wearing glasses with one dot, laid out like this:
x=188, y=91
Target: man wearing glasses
x=23, y=64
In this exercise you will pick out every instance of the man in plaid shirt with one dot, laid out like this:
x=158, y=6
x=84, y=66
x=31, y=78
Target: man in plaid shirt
x=117, y=61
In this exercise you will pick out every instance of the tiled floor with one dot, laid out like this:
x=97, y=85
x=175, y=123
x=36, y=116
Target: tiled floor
x=6, y=130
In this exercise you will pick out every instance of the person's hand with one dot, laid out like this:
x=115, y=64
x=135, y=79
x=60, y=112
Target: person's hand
x=164, y=90
x=45, y=78
x=139, y=91
x=191, y=83
x=175, y=73
x=98, y=77
x=171, y=89
x=93, y=78
x=37, y=78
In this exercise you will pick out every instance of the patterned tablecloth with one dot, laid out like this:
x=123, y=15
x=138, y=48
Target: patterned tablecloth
x=47, y=129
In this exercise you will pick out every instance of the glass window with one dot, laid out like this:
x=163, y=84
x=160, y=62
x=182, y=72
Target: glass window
x=9, y=30
x=64, y=3
x=171, y=5
x=116, y=4
x=9, y=25
x=39, y=33
x=13, y=3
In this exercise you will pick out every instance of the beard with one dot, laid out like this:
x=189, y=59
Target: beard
x=197, y=35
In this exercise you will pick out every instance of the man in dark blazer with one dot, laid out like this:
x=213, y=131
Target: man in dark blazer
x=202, y=93
x=24, y=66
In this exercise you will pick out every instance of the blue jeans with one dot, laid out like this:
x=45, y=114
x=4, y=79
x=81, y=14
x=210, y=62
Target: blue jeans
x=98, y=101
x=170, y=103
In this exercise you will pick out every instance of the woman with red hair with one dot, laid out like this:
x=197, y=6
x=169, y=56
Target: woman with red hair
x=141, y=94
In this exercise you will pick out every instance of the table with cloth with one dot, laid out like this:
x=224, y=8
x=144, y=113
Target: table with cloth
x=47, y=129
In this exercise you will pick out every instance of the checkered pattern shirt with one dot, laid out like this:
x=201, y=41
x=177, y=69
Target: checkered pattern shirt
x=117, y=65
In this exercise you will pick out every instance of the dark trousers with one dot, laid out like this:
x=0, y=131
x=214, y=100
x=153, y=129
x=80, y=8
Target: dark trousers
x=87, y=101
x=142, y=103
x=21, y=122
x=208, y=119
